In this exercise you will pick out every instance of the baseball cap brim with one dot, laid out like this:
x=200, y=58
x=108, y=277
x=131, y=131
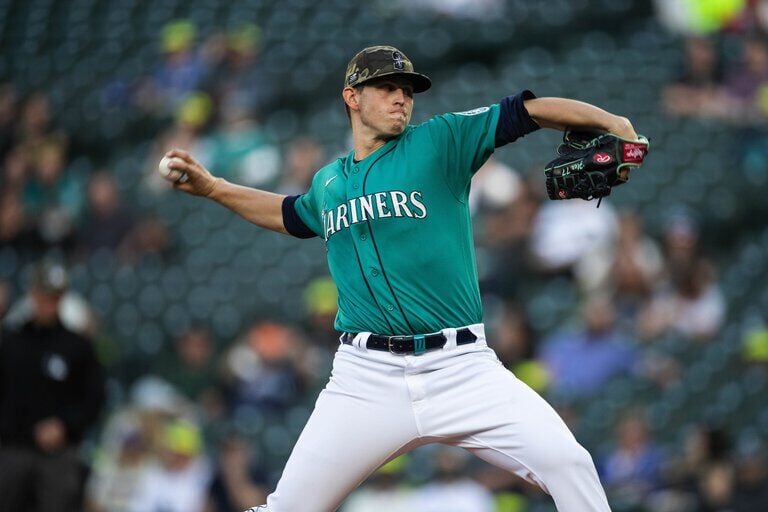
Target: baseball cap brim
x=420, y=82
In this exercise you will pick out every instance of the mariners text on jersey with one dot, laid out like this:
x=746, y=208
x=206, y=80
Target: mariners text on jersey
x=381, y=205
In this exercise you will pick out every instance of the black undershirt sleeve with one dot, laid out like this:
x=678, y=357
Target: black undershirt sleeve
x=514, y=120
x=291, y=220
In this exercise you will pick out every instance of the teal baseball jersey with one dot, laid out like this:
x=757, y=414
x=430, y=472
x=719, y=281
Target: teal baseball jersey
x=397, y=227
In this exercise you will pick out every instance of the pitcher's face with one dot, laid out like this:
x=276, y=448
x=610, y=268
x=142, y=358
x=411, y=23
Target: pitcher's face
x=386, y=106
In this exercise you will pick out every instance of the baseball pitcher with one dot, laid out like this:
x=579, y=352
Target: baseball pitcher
x=413, y=365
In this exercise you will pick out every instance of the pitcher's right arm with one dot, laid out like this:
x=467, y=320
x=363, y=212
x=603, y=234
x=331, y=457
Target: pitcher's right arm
x=256, y=206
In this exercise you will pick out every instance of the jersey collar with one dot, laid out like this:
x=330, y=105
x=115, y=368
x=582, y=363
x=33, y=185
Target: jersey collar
x=368, y=160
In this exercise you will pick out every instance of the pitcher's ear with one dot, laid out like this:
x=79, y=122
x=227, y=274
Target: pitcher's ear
x=350, y=97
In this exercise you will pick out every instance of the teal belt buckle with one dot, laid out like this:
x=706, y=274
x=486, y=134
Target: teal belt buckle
x=419, y=344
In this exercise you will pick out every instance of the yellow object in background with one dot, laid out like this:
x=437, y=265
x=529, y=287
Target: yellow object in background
x=510, y=502
x=532, y=373
x=195, y=110
x=321, y=296
x=178, y=35
x=756, y=345
x=712, y=15
x=395, y=466
x=182, y=437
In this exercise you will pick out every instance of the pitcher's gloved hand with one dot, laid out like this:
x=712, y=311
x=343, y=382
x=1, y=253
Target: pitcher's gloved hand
x=591, y=164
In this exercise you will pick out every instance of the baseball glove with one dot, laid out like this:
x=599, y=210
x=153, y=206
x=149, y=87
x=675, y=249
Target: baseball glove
x=590, y=164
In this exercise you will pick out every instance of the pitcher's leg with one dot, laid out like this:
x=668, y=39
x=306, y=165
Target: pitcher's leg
x=477, y=404
x=358, y=423
x=530, y=439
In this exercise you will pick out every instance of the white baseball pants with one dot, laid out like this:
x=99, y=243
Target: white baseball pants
x=378, y=405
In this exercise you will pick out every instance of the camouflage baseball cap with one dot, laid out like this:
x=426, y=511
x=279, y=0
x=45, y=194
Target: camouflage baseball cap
x=377, y=61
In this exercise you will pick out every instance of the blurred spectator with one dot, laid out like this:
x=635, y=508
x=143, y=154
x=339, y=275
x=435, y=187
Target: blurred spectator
x=8, y=114
x=106, y=222
x=153, y=404
x=15, y=230
x=451, y=489
x=303, y=158
x=513, y=342
x=746, y=84
x=638, y=261
x=715, y=488
x=193, y=369
x=114, y=482
x=681, y=245
x=234, y=68
x=74, y=312
x=192, y=115
x=239, y=149
x=385, y=486
x=633, y=467
x=179, y=73
x=705, y=454
x=238, y=482
x=260, y=370
x=581, y=361
x=494, y=186
x=564, y=231
x=15, y=170
x=52, y=196
x=51, y=392
x=659, y=367
x=148, y=237
x=315, y=358
x=321, y=304
x=512, y=338
x=505, y=263
x=35, y=128
x=697, y=91
x=752, y=482
x=133, y=441
x=628, y=270
x=179, y=482
x=693, y=306
x=758, y=10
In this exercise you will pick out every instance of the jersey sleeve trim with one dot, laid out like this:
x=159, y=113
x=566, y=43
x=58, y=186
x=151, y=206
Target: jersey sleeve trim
x=514, y=120
x=291, y=220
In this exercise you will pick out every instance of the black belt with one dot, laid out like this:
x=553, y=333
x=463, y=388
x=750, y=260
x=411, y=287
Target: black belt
x=417, y=344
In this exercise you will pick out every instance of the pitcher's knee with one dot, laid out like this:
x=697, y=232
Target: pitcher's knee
x=576, y=459
x=568, y=458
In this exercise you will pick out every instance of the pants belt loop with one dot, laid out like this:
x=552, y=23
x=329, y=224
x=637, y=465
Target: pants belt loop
x=419, y=344
x=478, y=330
x=450, y=336
x=361, y=341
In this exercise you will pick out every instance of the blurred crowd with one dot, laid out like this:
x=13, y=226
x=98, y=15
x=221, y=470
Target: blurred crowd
x=723, y=77
x=575, y=297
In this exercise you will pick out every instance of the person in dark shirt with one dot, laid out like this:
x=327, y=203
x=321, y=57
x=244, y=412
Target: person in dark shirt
x=51, y=392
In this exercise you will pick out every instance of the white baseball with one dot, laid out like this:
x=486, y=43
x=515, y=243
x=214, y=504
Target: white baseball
x=173, y=175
